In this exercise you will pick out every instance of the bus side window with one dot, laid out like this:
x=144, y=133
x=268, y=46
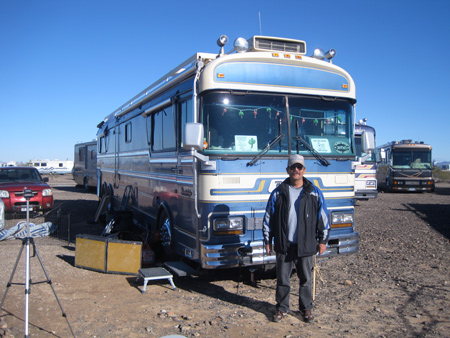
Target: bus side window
x=163, y=130
x=185, y=111
x=157, y=131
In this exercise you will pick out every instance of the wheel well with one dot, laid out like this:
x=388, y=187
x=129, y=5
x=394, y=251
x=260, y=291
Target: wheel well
x=164, y=208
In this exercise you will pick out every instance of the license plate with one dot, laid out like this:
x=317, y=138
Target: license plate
x=412, y=189
x=25, y=209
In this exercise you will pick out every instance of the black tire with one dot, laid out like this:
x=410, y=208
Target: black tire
x=388, y=186
x=104, y=189
x=165, y=229
x=85, y=185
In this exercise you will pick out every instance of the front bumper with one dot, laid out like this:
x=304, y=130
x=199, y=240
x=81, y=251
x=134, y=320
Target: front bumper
x=406, y=188
x=20, y=205
x=234, y=255
x=366, y=194
x=254, y=253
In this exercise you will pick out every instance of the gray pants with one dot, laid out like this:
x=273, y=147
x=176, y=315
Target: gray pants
x=304, y=266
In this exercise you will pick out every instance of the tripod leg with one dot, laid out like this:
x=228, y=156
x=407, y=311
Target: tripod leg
x=51, y=285
x=12, y=275
x=27, y=283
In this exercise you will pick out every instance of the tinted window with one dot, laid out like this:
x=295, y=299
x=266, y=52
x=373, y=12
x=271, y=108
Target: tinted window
x=163, y=130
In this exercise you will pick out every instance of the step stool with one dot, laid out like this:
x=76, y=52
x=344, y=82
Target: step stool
x=153, y=274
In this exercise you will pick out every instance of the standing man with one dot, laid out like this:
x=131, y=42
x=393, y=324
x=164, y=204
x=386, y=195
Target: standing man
x=297, y=219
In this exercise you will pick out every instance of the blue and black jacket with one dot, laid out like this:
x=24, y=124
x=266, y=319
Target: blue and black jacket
x=313, y=223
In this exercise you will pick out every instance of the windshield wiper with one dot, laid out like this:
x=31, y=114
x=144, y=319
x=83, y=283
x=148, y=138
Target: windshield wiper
x=322, y=160
x=268, y=146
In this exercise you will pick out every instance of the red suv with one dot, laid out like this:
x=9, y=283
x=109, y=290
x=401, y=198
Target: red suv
x=13, y=181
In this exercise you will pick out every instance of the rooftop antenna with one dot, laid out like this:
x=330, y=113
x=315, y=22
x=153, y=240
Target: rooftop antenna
x=260, y=29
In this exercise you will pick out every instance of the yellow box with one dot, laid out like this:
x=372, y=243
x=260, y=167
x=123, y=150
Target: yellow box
x=108, y=255
x=90, y=252
x=123, y=257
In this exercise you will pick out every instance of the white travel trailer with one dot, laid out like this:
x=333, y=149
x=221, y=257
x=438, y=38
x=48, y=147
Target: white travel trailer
x=53, y=166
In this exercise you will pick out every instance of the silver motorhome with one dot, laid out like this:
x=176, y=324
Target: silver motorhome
x=85, y=164
x=365, y=165
x=196, y=155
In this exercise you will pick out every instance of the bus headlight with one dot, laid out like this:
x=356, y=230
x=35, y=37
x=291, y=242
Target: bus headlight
x=4, y=194
x=47, y=192
x=341, y=219
x=228, y=226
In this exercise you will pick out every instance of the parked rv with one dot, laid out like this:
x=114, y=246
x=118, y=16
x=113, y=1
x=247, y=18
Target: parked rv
x=405, y=166
x=53, y=166
x=196, y=155
x=85, y=166
x=365, y=165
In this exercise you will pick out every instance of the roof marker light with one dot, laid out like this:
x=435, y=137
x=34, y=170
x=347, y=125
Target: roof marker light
x=241, y=45
x=318, y=54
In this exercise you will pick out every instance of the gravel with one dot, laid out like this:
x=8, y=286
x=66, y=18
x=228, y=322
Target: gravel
x=397, y=285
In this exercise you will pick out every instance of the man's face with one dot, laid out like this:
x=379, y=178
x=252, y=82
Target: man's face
x=296, y=171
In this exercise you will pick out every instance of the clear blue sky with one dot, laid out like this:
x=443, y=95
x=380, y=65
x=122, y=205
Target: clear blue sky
x=65, y=65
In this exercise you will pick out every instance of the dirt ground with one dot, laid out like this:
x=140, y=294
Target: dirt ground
x=398, y=285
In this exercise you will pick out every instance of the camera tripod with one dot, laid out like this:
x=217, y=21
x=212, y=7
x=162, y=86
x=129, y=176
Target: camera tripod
x=26, y=242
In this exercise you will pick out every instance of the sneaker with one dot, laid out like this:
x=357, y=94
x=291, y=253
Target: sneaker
x=308, y=316
x=278, y=316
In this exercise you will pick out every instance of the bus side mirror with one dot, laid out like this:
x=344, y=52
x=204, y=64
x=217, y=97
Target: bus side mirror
x=367, y=141
x=193, y=136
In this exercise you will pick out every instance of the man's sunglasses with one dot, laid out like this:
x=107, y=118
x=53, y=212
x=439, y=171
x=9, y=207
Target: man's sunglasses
x=297, y=165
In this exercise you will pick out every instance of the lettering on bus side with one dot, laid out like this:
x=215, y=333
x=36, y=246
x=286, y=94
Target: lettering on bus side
x=186, y=192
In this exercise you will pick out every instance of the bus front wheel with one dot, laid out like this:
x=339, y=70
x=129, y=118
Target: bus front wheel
x=388, y=186
x=166, y=236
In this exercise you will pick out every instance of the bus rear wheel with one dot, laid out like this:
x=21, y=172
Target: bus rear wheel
x=85, y=184
x=166, y=236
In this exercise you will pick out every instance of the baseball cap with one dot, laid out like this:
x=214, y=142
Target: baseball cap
x=293, y=159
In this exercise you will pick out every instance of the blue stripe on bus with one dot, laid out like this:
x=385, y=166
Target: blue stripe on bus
x=242, y=205
x=281, y=75
x=262, y=186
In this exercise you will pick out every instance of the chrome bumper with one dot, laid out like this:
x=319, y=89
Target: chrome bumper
x=234, y=255
x=252, y=254
x=366, y=194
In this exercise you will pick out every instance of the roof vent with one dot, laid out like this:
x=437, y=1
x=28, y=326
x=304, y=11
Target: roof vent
x=271, y=44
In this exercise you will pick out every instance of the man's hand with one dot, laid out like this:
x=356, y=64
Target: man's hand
x=268, y=249
x=322, y=248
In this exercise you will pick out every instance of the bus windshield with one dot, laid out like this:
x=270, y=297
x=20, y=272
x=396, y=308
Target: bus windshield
x=243, y=123
x=407, y=158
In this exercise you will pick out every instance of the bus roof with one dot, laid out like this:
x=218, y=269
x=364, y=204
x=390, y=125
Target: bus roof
x=274, y=64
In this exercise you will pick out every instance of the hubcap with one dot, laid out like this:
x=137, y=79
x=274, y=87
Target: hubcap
x=165, y=233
